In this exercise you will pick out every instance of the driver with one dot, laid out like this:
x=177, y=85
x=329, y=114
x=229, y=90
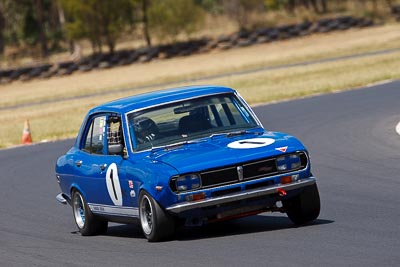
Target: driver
x=146, y=130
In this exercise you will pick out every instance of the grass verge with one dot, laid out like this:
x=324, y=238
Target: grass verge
x=53, y=121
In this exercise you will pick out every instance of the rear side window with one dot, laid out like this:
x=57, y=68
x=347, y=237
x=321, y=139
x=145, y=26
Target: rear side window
x=88, y=142
x=94, y=140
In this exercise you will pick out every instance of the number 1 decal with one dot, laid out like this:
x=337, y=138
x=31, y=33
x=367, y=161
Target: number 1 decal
x=113, y=185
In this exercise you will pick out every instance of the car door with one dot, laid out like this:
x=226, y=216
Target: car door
x=98, y=171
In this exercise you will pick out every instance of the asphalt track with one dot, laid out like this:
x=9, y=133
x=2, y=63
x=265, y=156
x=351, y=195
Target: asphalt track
x=355, y=153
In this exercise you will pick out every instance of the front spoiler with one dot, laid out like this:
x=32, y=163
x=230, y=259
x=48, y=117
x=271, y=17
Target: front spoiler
x=269, y=190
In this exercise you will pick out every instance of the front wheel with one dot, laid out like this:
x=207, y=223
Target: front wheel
x=304, y=207
x=87, y=223
x=156, y=224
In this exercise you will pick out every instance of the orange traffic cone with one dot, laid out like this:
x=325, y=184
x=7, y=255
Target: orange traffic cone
x=26, y=134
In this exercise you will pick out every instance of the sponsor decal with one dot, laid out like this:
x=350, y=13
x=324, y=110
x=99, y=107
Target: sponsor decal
x=113, y=210
x=282, y=149
x=251, y=143
x=130, y=182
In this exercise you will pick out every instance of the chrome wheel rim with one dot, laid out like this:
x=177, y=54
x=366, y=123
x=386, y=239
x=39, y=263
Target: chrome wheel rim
x=146, y=215
x=79, y=211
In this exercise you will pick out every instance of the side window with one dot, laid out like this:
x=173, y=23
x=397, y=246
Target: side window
x=88, y=142
x=115, y=139
x=94, y=141
x=98, y=135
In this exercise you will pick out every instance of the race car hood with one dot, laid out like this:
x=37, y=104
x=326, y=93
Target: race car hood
x=222, y=151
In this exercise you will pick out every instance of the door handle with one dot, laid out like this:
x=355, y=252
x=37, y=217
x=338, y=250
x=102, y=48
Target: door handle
x=78, y=163
x=103, y=166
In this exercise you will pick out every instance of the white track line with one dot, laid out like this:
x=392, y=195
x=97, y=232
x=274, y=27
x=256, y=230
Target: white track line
x=398, y=128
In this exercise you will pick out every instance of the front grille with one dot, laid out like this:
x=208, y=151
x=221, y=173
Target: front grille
x=251, y=170
x=219, y=177
x=259, y=169
x=244, y=172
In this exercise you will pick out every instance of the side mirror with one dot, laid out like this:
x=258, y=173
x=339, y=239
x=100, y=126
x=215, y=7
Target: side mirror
x=115, y=149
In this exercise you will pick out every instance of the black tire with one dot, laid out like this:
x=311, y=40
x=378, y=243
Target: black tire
x=86, y=222
x=156, y=224
x=304, y=207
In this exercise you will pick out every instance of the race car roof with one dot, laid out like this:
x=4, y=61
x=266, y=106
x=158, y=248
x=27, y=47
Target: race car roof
x=140, y=101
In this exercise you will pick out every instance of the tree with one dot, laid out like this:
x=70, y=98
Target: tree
x=30, y=22
x=2, y=27
x=169, y=18
x=319, y=6
x=241, y=11
x=40, y=27
x=100, y=21
x=146, y=33
x=274, y=4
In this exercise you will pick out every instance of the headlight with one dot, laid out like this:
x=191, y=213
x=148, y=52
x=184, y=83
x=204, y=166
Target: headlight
x=281, y=163
x=290, y=162
x=186, y=182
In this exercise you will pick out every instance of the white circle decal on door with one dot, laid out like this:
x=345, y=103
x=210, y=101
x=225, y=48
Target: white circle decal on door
x=251, y=143
x=113, y=185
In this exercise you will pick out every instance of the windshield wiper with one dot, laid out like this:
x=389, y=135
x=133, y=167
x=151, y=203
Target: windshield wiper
x=175, y=145
x=235, y=133
x=241, y=132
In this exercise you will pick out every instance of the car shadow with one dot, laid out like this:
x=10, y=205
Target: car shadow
x=125, y=230
x=247, y=225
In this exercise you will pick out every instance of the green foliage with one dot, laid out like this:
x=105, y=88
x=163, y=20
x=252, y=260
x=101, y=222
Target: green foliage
x=169, y=18
x=21, y=23
x=31, y=22
x=100, y=21
x=275, y=4
x=30, y=28
x=211, y=6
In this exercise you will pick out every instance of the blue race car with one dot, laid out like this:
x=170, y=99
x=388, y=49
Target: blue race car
x=183, y=156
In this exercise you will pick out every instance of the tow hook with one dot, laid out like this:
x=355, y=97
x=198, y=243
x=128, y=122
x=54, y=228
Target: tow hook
x=281, y=192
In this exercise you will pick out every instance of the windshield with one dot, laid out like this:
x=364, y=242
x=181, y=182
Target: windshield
x=188, y=120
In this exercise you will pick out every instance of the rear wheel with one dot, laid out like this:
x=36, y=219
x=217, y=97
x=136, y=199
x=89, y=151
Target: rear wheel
x=156, y=224
x=304, y=207
x=86, y=222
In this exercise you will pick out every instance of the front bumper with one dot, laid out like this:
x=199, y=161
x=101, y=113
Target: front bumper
x=62, y=199
x=243, y=195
